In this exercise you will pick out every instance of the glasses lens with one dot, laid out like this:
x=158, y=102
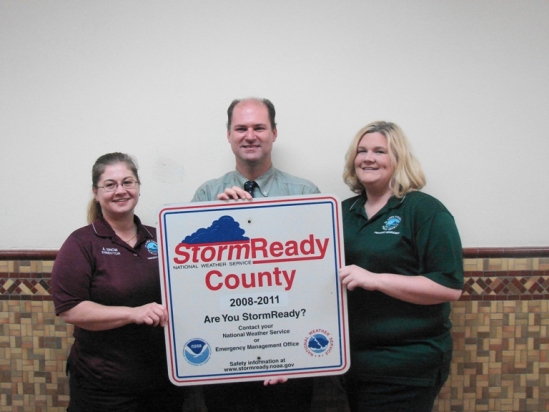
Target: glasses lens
x=128, y=184
x=110, y=187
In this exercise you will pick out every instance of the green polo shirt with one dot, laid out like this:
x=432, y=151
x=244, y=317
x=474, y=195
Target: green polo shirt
x=393, y=341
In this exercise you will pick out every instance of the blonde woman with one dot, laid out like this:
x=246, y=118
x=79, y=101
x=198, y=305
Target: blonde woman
x=404, y=265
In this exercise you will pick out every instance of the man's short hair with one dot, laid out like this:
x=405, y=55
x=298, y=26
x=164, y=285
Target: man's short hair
x=266, y=102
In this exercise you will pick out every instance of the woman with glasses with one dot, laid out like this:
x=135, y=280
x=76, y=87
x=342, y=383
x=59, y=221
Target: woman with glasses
x=405, y=265
x=105, y=281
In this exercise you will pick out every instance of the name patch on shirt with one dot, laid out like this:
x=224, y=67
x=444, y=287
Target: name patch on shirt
x=110, y=251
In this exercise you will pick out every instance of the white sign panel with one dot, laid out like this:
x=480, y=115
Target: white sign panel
x=252, y=289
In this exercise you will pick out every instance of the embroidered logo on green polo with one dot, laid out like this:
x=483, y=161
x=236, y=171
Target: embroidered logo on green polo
x=391, y=223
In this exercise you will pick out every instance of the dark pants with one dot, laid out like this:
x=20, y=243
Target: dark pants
x=294, y=395
x=86, y=397
x=383, y=397
x=373, y=397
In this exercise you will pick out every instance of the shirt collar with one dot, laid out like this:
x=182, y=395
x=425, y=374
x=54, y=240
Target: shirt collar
x=103, y=229
x=264, y=182
x=358, y=204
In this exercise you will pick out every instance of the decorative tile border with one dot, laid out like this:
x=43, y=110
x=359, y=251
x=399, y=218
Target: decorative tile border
x=508, y=276
x=25, y=280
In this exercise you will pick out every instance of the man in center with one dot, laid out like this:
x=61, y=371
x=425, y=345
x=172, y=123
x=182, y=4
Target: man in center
x=251, y=132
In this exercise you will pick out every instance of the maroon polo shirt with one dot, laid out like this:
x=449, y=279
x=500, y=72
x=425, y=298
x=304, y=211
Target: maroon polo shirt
x=94, y=264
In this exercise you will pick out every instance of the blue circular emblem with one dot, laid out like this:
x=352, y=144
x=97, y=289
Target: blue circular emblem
x=318, y=343
x=152, y=247
x=391, y=223
x=197, y=351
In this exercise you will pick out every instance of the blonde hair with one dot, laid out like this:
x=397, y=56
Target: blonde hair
x=94, y=208
x=408, y=175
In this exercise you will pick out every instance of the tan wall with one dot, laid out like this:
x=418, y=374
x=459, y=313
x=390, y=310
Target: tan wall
x=500, y=331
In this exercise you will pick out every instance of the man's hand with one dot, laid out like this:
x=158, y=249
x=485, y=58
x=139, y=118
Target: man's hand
x=234, y=193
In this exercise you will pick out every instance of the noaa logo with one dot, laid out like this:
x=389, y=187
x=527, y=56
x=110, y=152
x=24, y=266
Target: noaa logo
x=152, y=247
x=197, y=351
x=391, y=223
x=319, y=343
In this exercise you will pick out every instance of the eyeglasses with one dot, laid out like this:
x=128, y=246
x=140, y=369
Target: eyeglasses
x=112, y=186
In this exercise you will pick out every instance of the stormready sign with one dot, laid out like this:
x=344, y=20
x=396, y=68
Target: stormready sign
x=252, y=289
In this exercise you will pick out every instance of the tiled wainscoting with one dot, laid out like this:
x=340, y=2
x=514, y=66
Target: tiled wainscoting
x=501, y=339
x=501, y=356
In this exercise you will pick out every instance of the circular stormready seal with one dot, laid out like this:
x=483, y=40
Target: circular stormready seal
x=318, y=343
x=197, y=351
